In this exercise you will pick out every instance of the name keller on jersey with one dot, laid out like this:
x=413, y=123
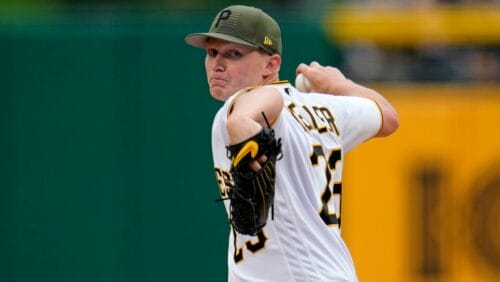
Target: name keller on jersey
x=313, y=118
x=310, y=118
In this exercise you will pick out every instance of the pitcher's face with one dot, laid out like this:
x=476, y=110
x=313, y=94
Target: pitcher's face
x=231, y=67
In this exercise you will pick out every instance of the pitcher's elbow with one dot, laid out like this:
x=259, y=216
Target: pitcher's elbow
x=390, y=125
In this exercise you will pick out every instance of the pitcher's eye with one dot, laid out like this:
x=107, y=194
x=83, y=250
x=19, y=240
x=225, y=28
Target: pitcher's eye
x=212, y=52
x=233, y=54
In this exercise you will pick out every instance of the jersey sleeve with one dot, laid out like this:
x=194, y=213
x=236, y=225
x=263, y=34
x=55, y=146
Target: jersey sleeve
x=220, y=139
x=359, y=119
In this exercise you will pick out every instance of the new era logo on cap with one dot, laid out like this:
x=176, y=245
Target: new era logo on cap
x=268, y=41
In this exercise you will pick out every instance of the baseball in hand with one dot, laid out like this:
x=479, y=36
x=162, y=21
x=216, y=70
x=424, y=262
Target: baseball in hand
x=302, y=84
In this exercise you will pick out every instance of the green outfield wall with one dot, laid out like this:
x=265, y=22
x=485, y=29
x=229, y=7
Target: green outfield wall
x=105, y=161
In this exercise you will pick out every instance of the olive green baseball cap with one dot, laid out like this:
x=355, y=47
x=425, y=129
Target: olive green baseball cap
x=243, y=25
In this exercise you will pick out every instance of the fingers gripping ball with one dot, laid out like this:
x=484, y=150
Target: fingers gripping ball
x=302, y=84
x=252, y=195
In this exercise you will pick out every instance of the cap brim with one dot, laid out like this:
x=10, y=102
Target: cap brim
x=200, y=39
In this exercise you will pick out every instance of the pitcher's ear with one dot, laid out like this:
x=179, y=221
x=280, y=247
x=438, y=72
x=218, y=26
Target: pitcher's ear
x=274, y=63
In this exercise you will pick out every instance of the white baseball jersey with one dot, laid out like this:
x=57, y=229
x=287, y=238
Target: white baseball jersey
x=303, y=242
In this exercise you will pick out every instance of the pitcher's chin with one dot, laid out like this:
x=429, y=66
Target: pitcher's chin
x=220, y=93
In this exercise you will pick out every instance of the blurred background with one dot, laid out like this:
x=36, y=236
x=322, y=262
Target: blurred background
x=105, y=119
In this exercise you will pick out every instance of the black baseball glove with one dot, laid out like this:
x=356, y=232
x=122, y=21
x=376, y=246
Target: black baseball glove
x=253, y=192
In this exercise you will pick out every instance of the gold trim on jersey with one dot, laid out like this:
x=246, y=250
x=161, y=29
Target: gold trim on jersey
x=279, y=82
